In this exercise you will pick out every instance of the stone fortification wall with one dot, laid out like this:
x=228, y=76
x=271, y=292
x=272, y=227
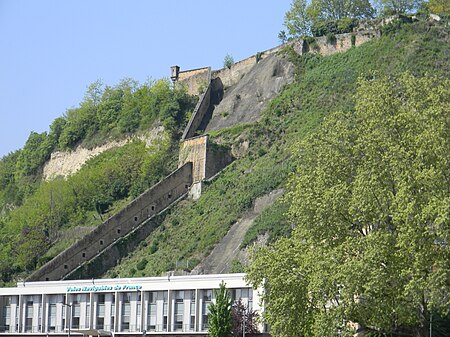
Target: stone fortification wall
x=196, y=80
x=194, y=150
x=207, y=158
x=110, y=257
x=137, y=212
x=343, y=43
x=231, y=76
x=201, y=109
x=218, y=157
x=204, y=108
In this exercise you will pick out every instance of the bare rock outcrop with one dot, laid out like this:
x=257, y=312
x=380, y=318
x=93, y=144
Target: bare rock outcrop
x=243, y=102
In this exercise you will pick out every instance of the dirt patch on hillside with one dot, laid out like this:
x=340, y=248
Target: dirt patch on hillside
x=228, y=249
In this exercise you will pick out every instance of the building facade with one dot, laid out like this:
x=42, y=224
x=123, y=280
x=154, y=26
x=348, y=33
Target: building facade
x=151, y=306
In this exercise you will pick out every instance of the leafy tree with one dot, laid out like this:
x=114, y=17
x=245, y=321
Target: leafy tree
x=439, y=6
x=56, y=129
x=282, y=36
x=80, y=122
x=36, y=151
x=399, y=6
x=302, y=19
x=371, y=206
x=322, y=10
x=228, y=61
x=109, y=108
x=94, y=93
x=296, y=20
x=8, y=187
x=244, y=319
x=219, y=317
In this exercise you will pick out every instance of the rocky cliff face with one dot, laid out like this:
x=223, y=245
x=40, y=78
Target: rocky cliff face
x=65, y=163
x=244, y=101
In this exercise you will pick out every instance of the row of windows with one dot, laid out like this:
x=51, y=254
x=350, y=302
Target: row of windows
x=79, y=311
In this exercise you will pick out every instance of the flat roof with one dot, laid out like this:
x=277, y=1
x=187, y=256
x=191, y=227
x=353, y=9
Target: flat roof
x=168, y=282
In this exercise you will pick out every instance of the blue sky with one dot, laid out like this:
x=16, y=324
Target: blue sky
x=51, y=50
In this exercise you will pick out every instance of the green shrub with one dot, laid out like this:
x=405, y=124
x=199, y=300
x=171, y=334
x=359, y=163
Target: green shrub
x=228, y=61
x=141, y=264
x=331, y=38
x=353, y=40
x=153, y=247
x=322, y=28
x=309, y=39
x=259, y=56
x=236, y=267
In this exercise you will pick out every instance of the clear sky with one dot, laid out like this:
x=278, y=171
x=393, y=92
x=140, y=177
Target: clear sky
x=51, y=50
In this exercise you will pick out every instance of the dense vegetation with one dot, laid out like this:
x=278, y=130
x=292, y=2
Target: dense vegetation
x=323, y=85
x=39, y=217
x=371, y=207
x=106, y=113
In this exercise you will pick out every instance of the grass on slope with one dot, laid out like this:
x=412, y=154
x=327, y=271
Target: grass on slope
x=322, y=85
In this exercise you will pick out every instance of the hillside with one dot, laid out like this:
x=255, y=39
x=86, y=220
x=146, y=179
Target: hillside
x=192, y=228
x=322, y=85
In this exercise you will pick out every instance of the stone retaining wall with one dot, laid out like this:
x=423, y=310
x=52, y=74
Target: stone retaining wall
x=148, y=204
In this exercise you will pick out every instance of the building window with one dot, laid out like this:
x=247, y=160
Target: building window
x=192, y=310
x=29, y=316
x=138, y=312
x=76, y=310
x=52, y=317
x=126, y=311
x=165, y=310
x=207, y=298
x=100, y=321
x=179, y=309
x=6, y=319
x=88, y=315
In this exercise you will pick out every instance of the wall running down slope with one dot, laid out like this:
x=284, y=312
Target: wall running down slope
x=141, y=209
x=199, y=159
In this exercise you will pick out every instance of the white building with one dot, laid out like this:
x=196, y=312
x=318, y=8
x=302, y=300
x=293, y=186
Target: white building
x=156, y=306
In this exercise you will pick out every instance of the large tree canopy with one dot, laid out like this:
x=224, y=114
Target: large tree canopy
x=340, y=9
x=371, y=204
x=400, y=6
x=301, y=17
x=296, y=20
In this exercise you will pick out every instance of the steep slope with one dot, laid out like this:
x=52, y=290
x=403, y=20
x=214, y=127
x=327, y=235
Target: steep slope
x=323, y=84
x=262, y=138
x=244, y=101
x=221, y=258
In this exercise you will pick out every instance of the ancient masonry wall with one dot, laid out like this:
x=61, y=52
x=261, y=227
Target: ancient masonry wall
x=343, y=43
x=194, y=151
x=112, y=255
x=196, y=80
x=231, y=76
x=201, y=109
x=141, y=209
x=207, y=158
